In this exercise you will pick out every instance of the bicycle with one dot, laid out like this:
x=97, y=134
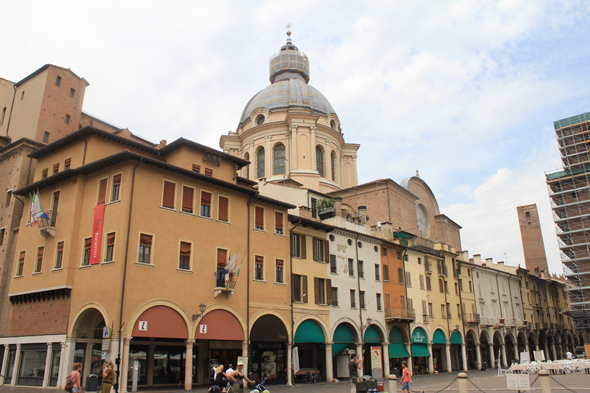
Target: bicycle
x=312, y=377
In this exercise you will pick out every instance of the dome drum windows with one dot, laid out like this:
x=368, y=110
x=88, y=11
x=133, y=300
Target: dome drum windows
x=260, y=162
x=279, y=159
x=422, y=220
x=319, y=157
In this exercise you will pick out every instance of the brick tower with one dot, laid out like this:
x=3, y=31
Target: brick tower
x=532, y=238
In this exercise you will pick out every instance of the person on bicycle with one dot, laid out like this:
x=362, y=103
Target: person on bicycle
x=238, y=377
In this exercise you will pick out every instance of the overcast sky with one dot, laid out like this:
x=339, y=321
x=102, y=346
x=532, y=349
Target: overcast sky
x=466, y=92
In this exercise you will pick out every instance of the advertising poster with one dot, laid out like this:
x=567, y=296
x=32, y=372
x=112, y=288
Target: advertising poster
x=96, y=240
x=376, y=365
x=296, y=360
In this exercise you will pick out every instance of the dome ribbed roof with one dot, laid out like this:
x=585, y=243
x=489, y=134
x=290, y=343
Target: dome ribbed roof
x=288, y=93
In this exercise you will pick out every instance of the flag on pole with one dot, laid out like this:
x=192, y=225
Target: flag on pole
x=233, y=261
x=36, y=209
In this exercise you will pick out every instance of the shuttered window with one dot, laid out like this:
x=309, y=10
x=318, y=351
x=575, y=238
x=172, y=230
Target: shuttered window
x=168, y=198
x=86, y=259
x=223, y=209
x=197, y=168
x=39, y=263
x=184, y=259
x=145, y=248
x=55, y=168
x=279, y=223
x=59, y=256
x=187, y=199
x=67, y=163
x=400, y=275
x=279, y=271
x=208, y=172
x=259, y=268
x=441, y=287
x=21, y=264
x=205, y=204
x=259, y=218
x=385, y=273
x=428, y=284
x=45, y=172
x=102, y=191
x=110, y=247
x=116, y=188
x=221, y=257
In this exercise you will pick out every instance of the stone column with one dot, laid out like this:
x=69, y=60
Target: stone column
x=547, y=357
x=244, y=349
x=48, y=367
x=188, y=368
x=329, y=365
x=290, y=362
x=385, y=350
x=526, y=347
x=504, y=362
x=464, y=356
x=516, y=353
x=87, y=363
x=294, y=153
x=448, y=353
x=4, y=367
x=328, y=161
x=312, y=130
x=202, y=372
x=430, y=360
x=67, y=359
x=287, y=154
x=478, y=356
x=268, y=156
x=409, y=359
x=15, y=370
x=359, y=352
x=150, y=365
x=125, y=363
x=554, y=352
x=492, y=357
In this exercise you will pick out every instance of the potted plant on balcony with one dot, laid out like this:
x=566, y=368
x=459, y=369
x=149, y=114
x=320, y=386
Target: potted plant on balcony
x=326, y=208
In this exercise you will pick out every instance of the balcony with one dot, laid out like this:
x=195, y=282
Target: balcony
x=485, y=321
x=223, y=287
x=471, y=318
x=510, y=322
x=405, y=314
x=427, y=267
x=47, y=226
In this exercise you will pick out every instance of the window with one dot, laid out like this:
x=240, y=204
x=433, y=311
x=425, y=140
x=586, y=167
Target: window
x=21, y=264
x=45, y=172
x=459, y=314
x=314, y=208
x=361, y=269
x=279, y=223
x=379, y=307
x=223, y=214
x=259, y=120
x=205, y=204
x=39, y=263
x=8, y=198
x=408, y=279
x=491, y=286
x=419, y=261
x=221, y=263
x=259, y=218
x=320, y=290
x=421, y=281
x=333, y=165
x=456, y=289
x=299, y=285
x=377, y=272
x=3, y=232
x=503, y=289
x=446, y=286
x=55, y=205
x=400, y=275
x=196, y=168
x=67, y=119
x=385, y=273
x=333, y=268
x=58, y=80
x=468, y=272
x=46, y=137
x=334, y=297
x=279, y=271
x=86, y=256
x=168, y=197
x=116, y=188
x=67, y=163
x=72, y=92
x=55, y=168
x=184, y=259
x=59, y=255
x=279, y=160
x=410, y=304
x=208, y=172
x=441, y=286
x=320, y=251
x=424, y=308
x=298, y=246
x=399, y=255
x=258, y=268
x=352, y=298
x=442, y=311
x=428, y=284
x=187, y=199
x=260, y=163
x=351, y=267
x=102, y=191
x=430, y=309
x=384, y=251
x=319, y=159
x=470, y=286
x=110, y=247
x=145, y=248
x=362, y=299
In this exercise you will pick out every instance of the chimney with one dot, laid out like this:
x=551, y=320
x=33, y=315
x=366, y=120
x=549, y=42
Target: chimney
x=363, y=214
x=489, y=261
x=338, y=206
x=477, y=259
x=305, y=212
x=163, y=143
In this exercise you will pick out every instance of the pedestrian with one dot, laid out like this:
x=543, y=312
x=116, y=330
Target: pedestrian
x=108, y=376
x=406, y=377
x=75, y=377
x=237, y=378
x=353, y=367
x=570, y=355
x=220, y=379
x=230, y=369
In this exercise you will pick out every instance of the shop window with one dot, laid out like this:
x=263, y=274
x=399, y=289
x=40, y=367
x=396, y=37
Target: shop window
x=116, y=188
x=334, y=297
x=279, y=271
x=333, y=268
x=110, y=254
x=102, y=191
x=279, y=223
x=351, y=267
x=21, y=264
x=184, y=260
x=187, y=199
x=168, y=196
x=32, y=365
x=205, y=204
x=223, y=214
x=259, y=218
x=259, y=268
x=378, y=298
x=86, y=256
x=39, y=263
x=385, y=273
x=145, y=248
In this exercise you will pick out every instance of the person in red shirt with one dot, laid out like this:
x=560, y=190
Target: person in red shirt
x=406, y=377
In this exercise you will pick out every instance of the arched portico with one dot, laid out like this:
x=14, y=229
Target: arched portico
x=269, y=338
x=473, y=352
x=345, y=337
x=314, y=347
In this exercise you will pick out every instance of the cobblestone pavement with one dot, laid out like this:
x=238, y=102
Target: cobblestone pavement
x=488, y=381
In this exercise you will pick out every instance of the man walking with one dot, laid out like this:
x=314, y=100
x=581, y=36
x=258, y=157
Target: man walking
x=406, y=377
x=353, y=367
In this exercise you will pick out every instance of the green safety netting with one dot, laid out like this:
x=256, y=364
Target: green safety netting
x=372, y=335
x=343, y=337
x=397, y=348
x=309, y=332
x=456, y=338
x=420, y=350
x=439, y=337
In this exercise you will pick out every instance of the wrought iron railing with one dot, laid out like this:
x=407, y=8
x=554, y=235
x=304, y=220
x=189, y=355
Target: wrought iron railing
x=400, y=313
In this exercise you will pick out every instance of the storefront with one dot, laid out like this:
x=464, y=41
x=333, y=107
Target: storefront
x=269, y=349
x=438, y=351
x=343, y=347
x=456, y=344
x=372, y=338
x=310, y=341
x=397, y=351
x=420, y=352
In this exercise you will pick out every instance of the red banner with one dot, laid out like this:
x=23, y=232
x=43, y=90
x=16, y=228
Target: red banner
x=96, y=234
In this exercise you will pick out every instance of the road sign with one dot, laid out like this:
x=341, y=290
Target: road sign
x=106, y=332
x=203, y=329
x=104, y=355
x=143, y=325
x=105, y=344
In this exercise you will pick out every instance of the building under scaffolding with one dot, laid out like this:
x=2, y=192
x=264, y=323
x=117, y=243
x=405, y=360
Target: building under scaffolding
x=569, y=190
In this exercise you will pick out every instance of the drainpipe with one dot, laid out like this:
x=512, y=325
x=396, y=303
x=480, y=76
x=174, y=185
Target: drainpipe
x=358, y=279
x=11, y=107
x=461, y=302
x=291, y=281
x=85, y=145
x=117, y=384
x=406, y=291
x=253, y=198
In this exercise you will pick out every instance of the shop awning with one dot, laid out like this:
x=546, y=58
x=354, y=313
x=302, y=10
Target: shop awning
x=372, y=335
x=420, y=350
x=309, y=332
x=397, y=350
x=456, y=338
x=343, y=337
x=439, y=337
x=419, y=336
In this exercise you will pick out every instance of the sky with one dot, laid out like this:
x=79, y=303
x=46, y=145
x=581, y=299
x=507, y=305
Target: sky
x=465, y=92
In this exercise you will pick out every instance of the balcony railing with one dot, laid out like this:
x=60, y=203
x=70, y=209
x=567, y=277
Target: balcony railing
x=471, y=318
x=392, y=313
x=47, y=226
x=222, y=286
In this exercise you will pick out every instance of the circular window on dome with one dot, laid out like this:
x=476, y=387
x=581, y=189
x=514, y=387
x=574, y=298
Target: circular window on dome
x=259, y=119
x=333, y=124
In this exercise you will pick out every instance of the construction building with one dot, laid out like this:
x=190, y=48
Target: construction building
x=569, y=191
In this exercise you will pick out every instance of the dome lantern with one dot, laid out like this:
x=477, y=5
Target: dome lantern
x=289, y=63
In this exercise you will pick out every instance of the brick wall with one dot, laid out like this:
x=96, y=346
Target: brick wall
x=37, y=317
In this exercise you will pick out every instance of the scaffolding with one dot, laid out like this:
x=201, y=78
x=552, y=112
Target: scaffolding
x=569, y=191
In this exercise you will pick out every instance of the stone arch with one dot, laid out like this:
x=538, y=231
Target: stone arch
x=353, y=324
x=521, y=337
x=497, y=334
x=485, y=334
x=262, y=313
x=424, y=329
x=381, y=329
x=444, y=333
x=474, y=336
x=128, y=329
x=194, y=325
x=404, y=331
x=534, y=338
x=90, y=314
x=510, y=336
x=321, y=322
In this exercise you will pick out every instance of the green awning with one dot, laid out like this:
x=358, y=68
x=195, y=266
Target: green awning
x=439, y=337
x=372, y=335
x=420, y=350
x=397, y=350
x=337, y=349
x=395, y=335
x=400, y=235
x=456, y=338
x=419, y=336
x=343, y=337
x=309, y=332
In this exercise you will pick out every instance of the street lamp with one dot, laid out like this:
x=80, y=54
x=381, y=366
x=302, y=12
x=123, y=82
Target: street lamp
x=202, y=308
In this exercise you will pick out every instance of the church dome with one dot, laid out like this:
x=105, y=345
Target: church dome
x=289, y=77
